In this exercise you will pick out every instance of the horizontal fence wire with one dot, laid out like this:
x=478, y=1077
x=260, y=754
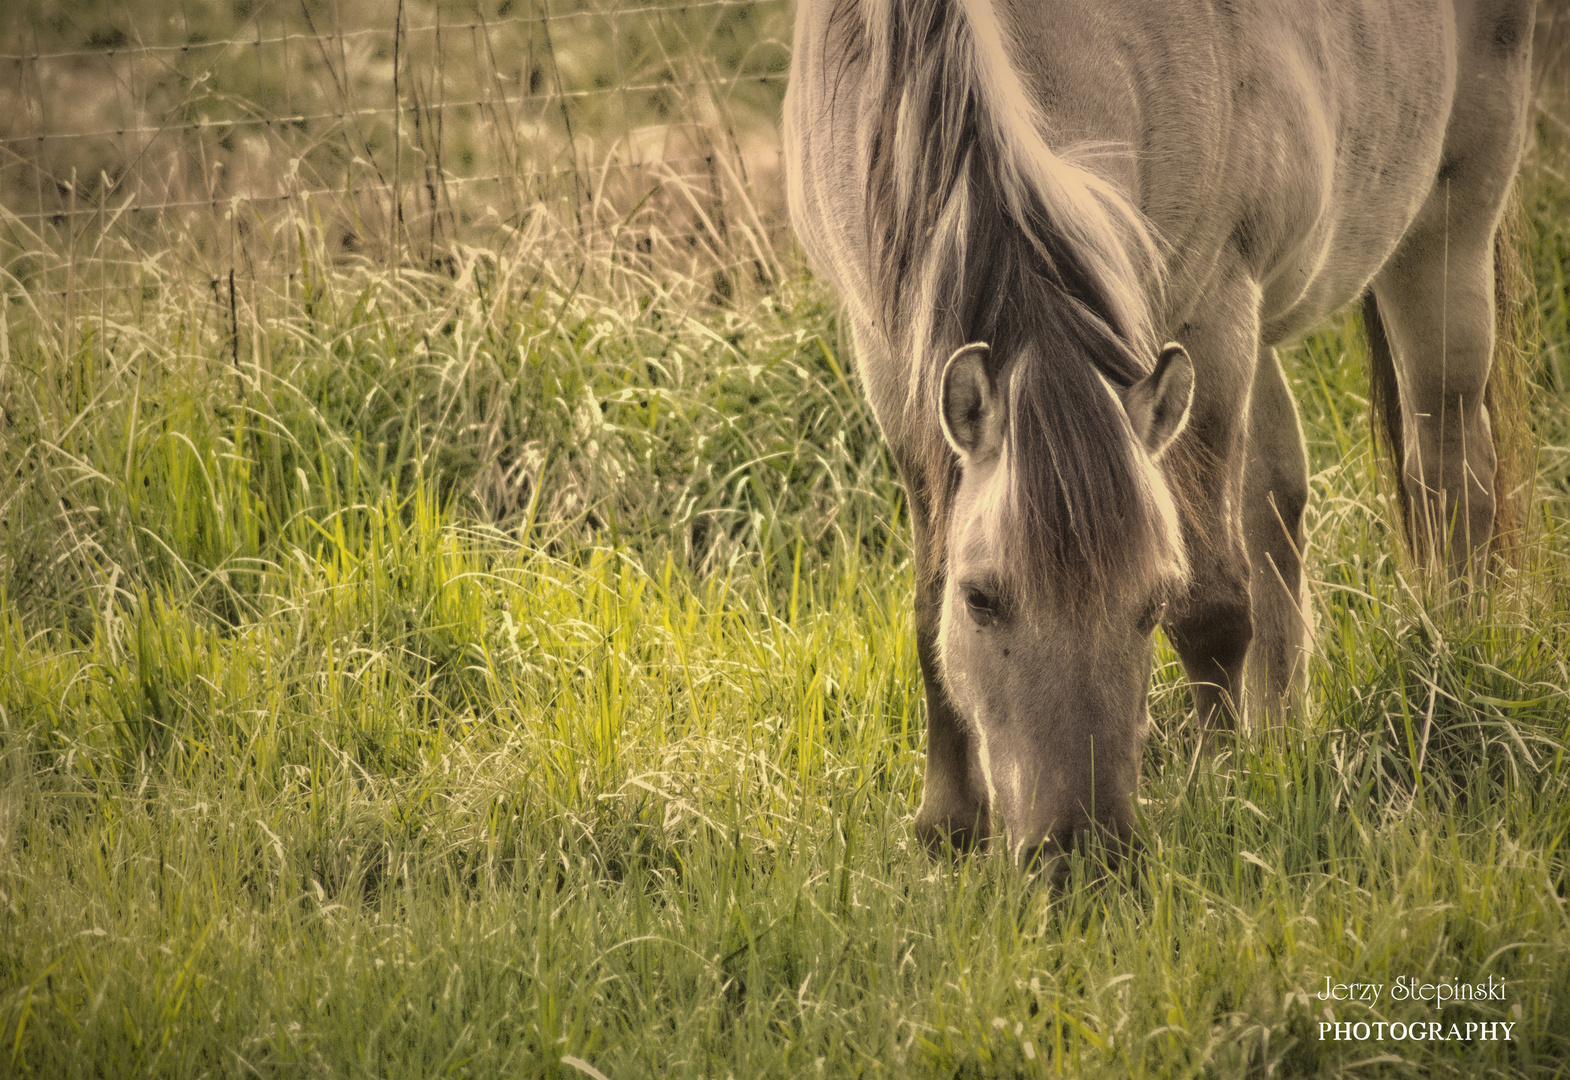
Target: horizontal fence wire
x=102, y=288
x=596, y=111
x=381, y=31
x=215, y=124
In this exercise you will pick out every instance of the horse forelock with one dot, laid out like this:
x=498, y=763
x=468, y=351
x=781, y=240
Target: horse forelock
x=1086, y=516
x=979, y=231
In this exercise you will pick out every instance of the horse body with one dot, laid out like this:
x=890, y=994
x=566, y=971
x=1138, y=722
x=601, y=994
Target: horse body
x=1073, y=184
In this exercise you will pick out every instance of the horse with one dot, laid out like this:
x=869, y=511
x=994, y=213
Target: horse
x=1068, y=239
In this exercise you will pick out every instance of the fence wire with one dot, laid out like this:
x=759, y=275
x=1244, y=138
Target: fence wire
x=379, y=31
x=431, y=121
x=213, y=124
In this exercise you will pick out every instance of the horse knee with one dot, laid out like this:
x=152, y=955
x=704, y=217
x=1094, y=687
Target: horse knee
x=1453, y=439
x=1276, y=474
x=1214, y=634
x=1277, y=518
x=1449, y=479
x=1290, y=498
x=1212, y=639
x=1276, y=558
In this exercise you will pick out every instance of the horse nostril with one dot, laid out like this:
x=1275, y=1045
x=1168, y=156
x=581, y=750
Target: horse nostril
x=1049, y=857
x=1052, y=857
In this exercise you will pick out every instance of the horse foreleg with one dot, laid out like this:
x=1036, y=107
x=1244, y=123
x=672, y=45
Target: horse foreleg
x=1211, y=633
x=1275, y=491
x=1211, y=626
x=954, y=804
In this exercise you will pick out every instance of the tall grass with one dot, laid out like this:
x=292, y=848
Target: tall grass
x=506, y=669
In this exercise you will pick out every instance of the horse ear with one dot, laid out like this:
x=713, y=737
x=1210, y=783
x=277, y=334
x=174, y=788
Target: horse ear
x=1157, y=405
x=970, y=411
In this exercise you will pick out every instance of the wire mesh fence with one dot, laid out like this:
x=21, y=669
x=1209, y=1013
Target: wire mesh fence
x=397, y=131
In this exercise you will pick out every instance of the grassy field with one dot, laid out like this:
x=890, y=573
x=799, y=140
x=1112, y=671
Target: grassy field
x=503, y=666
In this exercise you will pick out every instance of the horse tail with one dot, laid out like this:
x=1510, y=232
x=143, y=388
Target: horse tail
x=1384, y=399
x=1503, y=394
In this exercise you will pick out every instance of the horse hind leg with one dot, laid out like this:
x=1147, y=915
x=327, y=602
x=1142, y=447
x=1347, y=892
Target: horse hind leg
x=1435, y=306
x=1275, y=492
x=1435, y=297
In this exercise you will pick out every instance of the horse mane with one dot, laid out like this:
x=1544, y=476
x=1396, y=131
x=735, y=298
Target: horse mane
x=978, y=231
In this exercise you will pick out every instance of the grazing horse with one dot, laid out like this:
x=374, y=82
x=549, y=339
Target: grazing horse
x=1068, y=237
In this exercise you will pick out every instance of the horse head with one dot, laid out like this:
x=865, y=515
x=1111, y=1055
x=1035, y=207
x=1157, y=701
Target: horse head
x=1052, y=676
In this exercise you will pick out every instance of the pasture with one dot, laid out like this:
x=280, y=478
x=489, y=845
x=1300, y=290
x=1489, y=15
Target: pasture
x=488, y=652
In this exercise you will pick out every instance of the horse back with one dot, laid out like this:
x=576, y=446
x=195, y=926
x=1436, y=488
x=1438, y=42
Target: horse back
x=1296, y=139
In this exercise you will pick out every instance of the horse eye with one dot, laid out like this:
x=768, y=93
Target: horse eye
x=982, y=608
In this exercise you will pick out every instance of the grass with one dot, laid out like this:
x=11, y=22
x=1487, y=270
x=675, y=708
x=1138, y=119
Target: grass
x=506, y=670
